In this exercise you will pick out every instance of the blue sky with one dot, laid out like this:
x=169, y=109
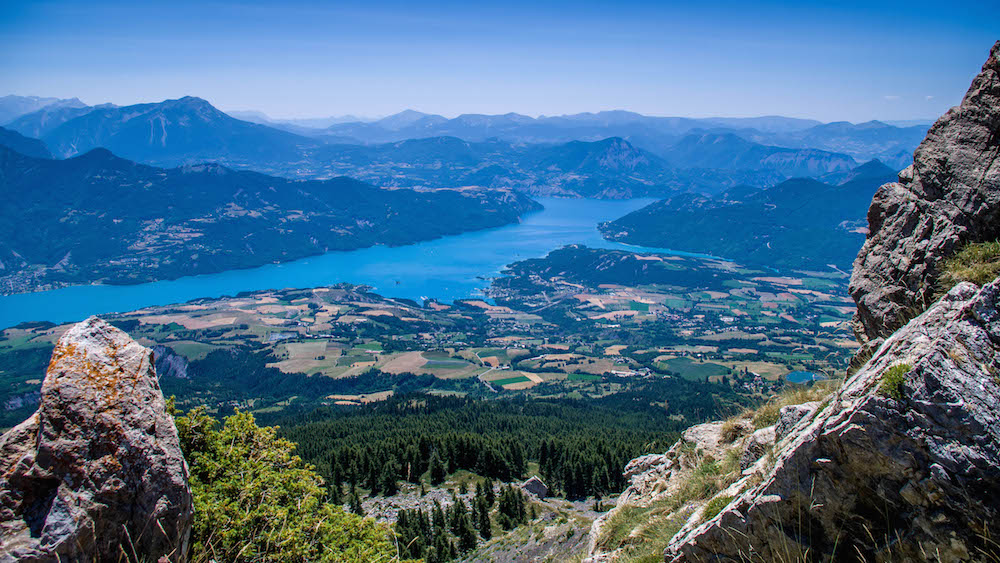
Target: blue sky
x=849, y=61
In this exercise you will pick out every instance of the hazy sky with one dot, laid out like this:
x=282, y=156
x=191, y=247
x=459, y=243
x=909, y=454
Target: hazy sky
x=831, y=61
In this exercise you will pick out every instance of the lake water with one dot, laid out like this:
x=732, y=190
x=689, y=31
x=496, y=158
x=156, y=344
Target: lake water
x=448, y=268
x=803, y=377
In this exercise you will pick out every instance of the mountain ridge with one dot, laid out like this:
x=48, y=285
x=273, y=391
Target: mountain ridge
x=99, y=217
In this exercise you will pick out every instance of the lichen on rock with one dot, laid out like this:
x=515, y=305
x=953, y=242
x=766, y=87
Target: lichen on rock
x=97, y=472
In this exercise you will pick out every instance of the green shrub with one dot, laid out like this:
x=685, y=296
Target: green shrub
x=256, y=501
x=715, y=506
x=892, y=381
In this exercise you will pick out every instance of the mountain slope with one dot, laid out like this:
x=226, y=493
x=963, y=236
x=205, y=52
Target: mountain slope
x=174, y=132
x=39, y=123
x=99, y=217
x=863, y=141
x=798, y=223
x=731, y=152
x=24, y=145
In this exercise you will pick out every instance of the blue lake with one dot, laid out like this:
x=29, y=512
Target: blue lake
x=803, y=377
x=448, y=268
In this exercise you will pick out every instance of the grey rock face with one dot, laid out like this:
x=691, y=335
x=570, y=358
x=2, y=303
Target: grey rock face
x=950, y=196
x=881, y=472
x=756, y=446
x=789, y=416
x=536, y=487
x=169, y=364
x=98, y=468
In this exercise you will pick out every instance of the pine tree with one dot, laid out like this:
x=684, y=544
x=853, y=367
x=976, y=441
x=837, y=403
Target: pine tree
x=490, y=495
x=387, y=480
x=437, y=467
x=466, y=534
x=355, y=503
x=483, y=520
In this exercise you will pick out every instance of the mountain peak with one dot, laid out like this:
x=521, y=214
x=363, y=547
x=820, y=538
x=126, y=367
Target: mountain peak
x=190, y=102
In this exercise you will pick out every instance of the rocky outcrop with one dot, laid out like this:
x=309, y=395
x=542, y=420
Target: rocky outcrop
x=96, y=474
x=950, y=196
x=656, y=477
x=901, y=463
x=899, y=468
x=169, y=364
x=789, y=416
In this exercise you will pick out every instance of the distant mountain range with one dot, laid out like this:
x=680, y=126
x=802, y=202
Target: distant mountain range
x=863, y=141
x=12, y=107
x=606, y=154
x=307, y=125
x=609, y=168
x=98, y=217
x=800, y=223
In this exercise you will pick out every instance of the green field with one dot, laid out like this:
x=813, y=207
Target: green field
x=636, y=306
x=691, y=369
x=583, y=377
x=348, y=360
x=446, y=364
x=509, y=380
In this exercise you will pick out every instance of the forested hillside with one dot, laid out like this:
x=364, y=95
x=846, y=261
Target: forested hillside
x=100, y=218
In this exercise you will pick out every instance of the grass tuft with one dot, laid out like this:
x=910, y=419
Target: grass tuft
x=767, y=414
x=715, y=506
x=892, y=381
x=731, y=431
x=978, y=263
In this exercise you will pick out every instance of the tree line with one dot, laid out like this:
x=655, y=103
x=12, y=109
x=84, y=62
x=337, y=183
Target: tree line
x=581, y=448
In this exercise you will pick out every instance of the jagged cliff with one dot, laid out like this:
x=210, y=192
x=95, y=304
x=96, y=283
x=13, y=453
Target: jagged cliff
x=948, y=197
x=901, y=462
x=97, y=473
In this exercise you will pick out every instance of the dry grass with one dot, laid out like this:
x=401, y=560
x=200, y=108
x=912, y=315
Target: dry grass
x=731, y=431
x=978, y=263
x=767, y=414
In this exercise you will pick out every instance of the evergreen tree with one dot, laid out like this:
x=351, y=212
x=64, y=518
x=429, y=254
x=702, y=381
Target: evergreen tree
x=387, y=480
x=466, y=534
x=437, y=467
x=355, y=503
x=483, y=520
x=490, y=494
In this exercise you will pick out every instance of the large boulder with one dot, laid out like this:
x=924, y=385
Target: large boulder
x=96, y=474
x=902, y=464
x=950, y=196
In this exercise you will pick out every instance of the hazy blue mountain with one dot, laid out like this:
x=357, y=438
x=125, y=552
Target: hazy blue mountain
x=608, y=168
x=12, y=107
x=766, y=124
x=175, y=132
x=100, y=217
x=39, y=123
x=308, y=126
x=798, y=223
x=408, y=118
x=24, y=145
x=251, y=115
x=872, y=169
x=730, y=152
x=863, y=141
